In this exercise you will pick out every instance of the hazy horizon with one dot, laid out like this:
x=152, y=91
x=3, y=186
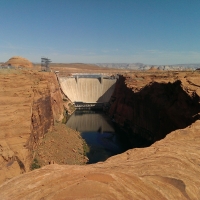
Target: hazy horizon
x=109, y=63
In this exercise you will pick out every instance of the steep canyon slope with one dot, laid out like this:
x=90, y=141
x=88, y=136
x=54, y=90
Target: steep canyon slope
x=153, y=106
x=30, y=102
x=148, y=106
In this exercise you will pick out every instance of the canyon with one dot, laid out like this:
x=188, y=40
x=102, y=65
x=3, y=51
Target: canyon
x=160, y=108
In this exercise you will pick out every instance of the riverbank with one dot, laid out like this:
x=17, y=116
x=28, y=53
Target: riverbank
x=62, y=145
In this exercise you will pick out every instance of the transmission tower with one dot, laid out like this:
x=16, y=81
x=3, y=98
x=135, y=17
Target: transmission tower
x=45, y=64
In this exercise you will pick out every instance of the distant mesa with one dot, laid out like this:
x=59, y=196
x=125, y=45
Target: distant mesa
x=18, y=62
x=153, y=69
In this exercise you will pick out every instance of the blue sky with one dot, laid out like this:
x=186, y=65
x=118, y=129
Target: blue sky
x=101, y=31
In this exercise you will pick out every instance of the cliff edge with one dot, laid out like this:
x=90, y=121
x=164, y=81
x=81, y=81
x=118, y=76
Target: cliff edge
x=30, y=102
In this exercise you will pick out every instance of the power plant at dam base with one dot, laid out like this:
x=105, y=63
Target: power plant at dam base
x=88, y=90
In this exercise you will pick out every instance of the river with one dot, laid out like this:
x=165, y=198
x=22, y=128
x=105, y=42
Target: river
x=99, y=133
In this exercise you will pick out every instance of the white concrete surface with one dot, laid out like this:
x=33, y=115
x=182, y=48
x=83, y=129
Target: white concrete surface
x=88, y=90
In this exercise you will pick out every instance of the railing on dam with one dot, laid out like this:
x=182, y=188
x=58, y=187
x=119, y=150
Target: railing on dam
x=100, y=77
x=87, y=75
x=88, y=88
x=82, y=105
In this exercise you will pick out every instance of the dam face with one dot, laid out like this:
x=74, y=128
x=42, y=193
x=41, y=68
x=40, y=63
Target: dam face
x=88, y=88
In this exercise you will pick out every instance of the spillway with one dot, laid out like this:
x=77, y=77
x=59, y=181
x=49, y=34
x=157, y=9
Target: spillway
x=87, y=89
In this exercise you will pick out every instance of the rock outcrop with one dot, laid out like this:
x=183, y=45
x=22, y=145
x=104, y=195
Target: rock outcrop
x=30, y=102
x=152, y=110
x=18, y=62
x=168, y=169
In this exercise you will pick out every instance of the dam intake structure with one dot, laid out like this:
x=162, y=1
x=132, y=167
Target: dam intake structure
x=88, y=90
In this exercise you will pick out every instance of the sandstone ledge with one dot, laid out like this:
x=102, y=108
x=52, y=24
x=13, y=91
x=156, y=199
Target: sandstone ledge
x=169, y=169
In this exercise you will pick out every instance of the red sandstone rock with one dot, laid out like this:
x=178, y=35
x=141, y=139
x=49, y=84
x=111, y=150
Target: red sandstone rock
x=19, y=62
x=29, y=104
x=168, y=169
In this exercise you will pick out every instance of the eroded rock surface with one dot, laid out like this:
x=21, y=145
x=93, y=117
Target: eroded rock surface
x=19, y=62
x=149, y=106
x=29, y=104
x=168, y=169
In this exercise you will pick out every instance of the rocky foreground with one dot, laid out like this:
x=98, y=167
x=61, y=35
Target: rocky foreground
x=168, y=169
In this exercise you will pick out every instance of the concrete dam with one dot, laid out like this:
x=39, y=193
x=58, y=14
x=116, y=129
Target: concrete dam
x=88, y=89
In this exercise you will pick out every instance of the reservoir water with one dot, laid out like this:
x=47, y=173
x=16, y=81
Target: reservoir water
x=99, y=133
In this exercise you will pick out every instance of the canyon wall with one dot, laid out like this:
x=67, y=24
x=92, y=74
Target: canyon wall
x=47, y=108
x=30, y=102
x=155, y=110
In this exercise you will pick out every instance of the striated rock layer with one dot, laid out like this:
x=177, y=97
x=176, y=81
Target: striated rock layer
x=29, y=104
x=148, y=107
x=168, y=169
